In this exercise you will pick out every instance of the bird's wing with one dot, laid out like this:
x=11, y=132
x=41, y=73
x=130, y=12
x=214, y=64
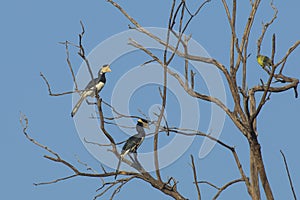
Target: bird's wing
x=132, y=143
x=92, y=83
x=138, y=144
x=268, y=61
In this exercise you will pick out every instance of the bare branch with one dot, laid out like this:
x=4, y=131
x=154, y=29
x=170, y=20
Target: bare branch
x=273, y=47
x=231, y=20
x=88, y=168
x=232, y=149
x=101, y=145
x=221, y=189
x=265, y=27
x=209, y=183
x=148, y=62
x=49, y=88
x=167, y=125
x=23, y=118
x=284, y=59
x=70, y=65
x=263, y=98
x=56, y=180
x=81, y=53
x=195, y=14
x=244, y=42
x=105, y=190
x=123, y=182
x=267, y=88
x=172, y=18
x=186, y=62
x=288, y=173
x=193, y=79
x=66, y=43
x=119, y=125
x=195, y=178
x=119, y=115
x=102, y=126
x=224, y=187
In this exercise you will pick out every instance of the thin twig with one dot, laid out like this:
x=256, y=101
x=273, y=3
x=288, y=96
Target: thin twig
x=55, y=181
x=289, y=175
x=49, y=88
x=265, y=27
x=70, y=65
x=193, y=79
x=124, y=181
x=23, y=118
x=209, y=183
x=224, y=187
x=284, y=59
x=221, y=189
x=119, y=115
x=102, y=145
x=88, y=168
x=195, y=178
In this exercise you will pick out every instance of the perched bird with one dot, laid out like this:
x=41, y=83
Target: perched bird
x=94, y=85
x=133, y=143
x=264, y=61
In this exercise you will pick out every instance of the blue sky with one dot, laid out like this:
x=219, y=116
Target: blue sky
x=30, y=32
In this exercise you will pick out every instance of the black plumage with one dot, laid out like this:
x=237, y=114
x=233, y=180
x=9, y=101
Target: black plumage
x=132, y=144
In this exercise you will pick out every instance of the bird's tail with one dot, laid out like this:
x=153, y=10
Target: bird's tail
x=118, y=167
x=76, y=107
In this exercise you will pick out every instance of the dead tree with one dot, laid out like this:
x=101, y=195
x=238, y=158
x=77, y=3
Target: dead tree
x=247, y=104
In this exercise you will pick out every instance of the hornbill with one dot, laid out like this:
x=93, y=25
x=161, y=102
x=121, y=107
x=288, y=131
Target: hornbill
x=133, y=143
x=93, y=86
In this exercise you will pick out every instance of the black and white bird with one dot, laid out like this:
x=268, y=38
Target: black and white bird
x=93, y=86
x=133, y=143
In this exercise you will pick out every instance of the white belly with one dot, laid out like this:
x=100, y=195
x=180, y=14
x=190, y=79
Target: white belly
x=99, y=86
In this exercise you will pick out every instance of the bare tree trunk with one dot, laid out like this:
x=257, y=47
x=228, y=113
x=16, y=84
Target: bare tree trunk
x=254, y=177
x=256, y=158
